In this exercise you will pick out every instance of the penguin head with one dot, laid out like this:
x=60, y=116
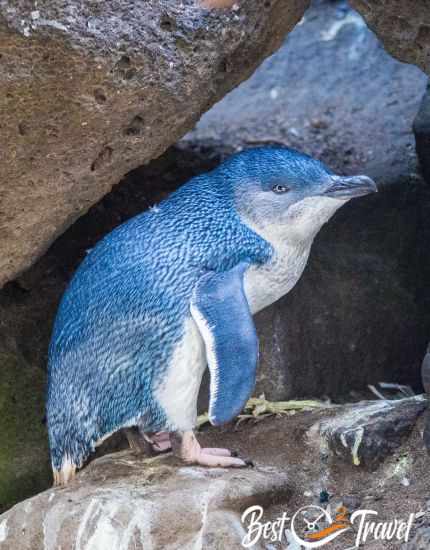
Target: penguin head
x=283, y=191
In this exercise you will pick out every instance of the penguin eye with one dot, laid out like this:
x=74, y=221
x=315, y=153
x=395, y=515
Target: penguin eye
x=278, y=188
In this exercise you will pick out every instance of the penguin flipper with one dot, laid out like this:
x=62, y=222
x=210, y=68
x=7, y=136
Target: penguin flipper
x=221, y=312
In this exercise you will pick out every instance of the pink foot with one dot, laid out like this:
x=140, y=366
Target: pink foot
x=186, y=446
x=217, y=452
x=159, y=441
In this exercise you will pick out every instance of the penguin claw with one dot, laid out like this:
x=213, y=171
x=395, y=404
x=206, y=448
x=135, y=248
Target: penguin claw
x=249, y=462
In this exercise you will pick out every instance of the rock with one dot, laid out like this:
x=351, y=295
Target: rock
x=125, y=498
x=24, y=461
x=90, y=92
x=367, y=432
x=403, y=26
x=422, y=134
x=421, y=540
x=122, y=501
x=126, y=503
x=218, y=3
x=425, y=371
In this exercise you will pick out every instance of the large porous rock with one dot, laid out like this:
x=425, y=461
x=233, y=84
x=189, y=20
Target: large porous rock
x=89, y=91
x=403, y=27
x=125, y=503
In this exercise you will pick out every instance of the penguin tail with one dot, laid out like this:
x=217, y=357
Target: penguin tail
x=65, y=474
x=69, y=447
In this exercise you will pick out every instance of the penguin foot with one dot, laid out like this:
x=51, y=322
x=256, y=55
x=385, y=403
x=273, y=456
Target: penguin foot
x=156, y=443
x=186, y=447
x=160, y=442
x=218, y=451
x=149, y=444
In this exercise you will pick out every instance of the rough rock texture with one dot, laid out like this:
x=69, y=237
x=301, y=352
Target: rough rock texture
x=402, y=25
x=425, y=373
x=422, y=134
x=90, y=91
x=421, y=541
x=367, y=432
x=124, y=502
x=425, y=369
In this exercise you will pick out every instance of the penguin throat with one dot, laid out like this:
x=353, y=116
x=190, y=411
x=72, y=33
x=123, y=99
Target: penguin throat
x=298, y=225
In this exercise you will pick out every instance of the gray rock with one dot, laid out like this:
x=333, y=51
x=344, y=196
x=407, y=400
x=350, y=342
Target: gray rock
x=402, y=25
x=121, y=502
x=425, y=372
x=422, y=134
x=421, y=540
x=367, y=432
x=89, y=92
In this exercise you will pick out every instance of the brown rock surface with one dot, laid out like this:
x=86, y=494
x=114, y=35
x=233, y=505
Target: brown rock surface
x=402, y=25
x=89, y=91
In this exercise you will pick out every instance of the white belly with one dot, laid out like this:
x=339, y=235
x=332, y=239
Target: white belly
x=179, y=390
x=267, y=283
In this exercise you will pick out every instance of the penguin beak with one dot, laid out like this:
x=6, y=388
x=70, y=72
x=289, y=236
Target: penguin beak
x=349, y=187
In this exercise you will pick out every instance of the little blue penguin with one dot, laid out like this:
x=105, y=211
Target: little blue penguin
x=171, y=292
